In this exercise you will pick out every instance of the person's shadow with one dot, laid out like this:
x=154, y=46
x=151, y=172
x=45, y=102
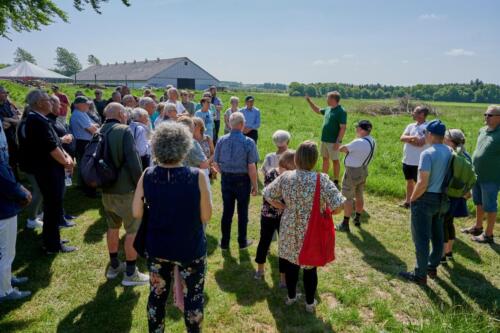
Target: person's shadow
x=476, y=286
x=236, y=277
x=107, y=312
x=376, y=254
x=466, y=251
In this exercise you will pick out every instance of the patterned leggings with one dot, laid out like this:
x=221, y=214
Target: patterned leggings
x=193, y=280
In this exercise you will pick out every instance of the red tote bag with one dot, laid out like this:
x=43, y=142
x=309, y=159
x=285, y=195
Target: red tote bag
x=318, y=248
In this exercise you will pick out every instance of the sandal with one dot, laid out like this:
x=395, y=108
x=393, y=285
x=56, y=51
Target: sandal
x=472, y=231
x=483, y=239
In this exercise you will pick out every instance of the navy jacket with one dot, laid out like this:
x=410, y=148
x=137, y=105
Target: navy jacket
x=11, y=194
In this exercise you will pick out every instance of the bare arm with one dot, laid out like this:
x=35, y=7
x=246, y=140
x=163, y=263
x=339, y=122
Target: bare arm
x=421, y=186
x=344, y=149
x=92, y=129
x=336, y=145
x=205, y=200
x=252, y=172
x=62, y=158
x=204, y=165
x=313, y=106
x=138, y=202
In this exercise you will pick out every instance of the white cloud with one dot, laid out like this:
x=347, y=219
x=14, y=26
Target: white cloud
x=405, y=61
x=431, y=17
x=460, y=53
x=327, y=62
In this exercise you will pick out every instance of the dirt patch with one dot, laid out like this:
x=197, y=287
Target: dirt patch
x=403, y=106
x=330, y=300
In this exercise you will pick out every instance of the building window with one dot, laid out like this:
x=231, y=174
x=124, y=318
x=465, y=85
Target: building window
x=185, y=63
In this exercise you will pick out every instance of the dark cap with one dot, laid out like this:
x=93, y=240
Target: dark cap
x=81, y=99
x=249, y=98
x=365, y=125
x=55, y=87
x=436, y=127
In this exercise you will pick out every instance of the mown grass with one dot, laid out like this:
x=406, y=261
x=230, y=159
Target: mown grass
x=360, y=292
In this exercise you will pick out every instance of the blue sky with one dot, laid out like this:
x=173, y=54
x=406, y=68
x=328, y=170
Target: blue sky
x=389, y=42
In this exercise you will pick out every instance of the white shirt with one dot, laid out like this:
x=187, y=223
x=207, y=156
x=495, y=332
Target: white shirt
x=359, y=152
x=270, y=162
x=140, y=133
x=411, y=153
x=178, y=105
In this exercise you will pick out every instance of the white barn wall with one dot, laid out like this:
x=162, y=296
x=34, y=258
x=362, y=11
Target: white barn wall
x=190, y=71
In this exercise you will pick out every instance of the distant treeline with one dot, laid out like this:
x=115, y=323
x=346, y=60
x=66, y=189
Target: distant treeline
x=264, y=87
x=475, y=91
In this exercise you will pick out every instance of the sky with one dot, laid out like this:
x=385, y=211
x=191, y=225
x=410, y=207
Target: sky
x=401, y=42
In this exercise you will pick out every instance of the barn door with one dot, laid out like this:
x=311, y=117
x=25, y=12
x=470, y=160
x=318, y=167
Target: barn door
x=185, y=84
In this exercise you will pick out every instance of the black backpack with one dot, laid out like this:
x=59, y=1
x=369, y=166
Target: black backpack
x=96, y=166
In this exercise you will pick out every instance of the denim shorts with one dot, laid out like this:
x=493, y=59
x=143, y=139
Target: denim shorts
x=486, y=195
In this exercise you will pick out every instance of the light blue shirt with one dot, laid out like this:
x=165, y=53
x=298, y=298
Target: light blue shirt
x=252, y=117
x=208, y=119
x=195, y=156
x=435, y=160
x=141, y=133
x=78, y=123
x=3, y=138
x=234, y=152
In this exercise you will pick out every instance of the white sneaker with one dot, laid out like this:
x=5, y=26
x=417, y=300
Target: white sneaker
x=311, y=307
x=290, y=301
x=34, y=224
x=136, y=279
x=112, y=273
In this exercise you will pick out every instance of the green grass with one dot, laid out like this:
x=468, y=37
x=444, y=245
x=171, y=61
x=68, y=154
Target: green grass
x=359, y=292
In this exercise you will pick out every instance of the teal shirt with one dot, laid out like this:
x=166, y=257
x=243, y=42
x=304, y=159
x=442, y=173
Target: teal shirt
x=333, y=118
x=486, y=157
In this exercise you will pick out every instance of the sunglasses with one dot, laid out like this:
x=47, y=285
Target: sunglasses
x=489, y=115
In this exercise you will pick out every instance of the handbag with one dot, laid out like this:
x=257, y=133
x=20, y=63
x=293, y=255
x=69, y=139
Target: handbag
x=318, y=248
x=140, y=237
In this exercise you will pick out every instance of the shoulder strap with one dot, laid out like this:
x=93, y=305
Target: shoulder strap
x=372, y=150
x=317, y=193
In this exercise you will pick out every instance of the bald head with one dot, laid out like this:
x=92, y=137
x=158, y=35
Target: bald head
x=115, y=111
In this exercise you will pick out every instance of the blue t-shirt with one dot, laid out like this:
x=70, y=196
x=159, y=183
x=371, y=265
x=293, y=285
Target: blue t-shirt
x=234, y=152
x=208, y=119
x=435, y=160
x=78, y=123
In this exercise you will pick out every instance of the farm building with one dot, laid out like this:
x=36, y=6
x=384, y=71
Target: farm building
x=180, y=72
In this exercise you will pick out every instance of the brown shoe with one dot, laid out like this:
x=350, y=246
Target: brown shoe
x=483, y=239
x=472, y=230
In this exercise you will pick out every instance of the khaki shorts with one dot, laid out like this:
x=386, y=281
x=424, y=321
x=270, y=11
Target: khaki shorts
x=328, y=152
x=118, y=211
x=353, y=182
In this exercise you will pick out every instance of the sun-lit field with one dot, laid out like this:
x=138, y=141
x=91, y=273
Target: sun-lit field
x=359, y=292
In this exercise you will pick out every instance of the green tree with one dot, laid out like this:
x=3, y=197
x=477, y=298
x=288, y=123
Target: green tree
x=29, y=15
x=21, y=55
x=93, y=61
x=67, y=63
x=3, y=65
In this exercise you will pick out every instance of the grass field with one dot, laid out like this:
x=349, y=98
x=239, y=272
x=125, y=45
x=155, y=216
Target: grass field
x=360, y=292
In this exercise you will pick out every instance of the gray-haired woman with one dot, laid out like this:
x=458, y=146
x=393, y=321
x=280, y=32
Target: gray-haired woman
x=179, y=205
x=280, y=139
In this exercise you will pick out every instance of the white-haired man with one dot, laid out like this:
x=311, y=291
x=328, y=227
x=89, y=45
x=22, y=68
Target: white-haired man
x=140, y=128
x=235, y=158
x=117, y=198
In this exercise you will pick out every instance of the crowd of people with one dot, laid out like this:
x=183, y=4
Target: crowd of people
x=168, y=152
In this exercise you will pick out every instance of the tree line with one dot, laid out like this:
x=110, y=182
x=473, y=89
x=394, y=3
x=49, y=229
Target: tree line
x=474, y=91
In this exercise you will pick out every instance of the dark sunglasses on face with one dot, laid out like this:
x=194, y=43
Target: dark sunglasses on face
x=489, y=115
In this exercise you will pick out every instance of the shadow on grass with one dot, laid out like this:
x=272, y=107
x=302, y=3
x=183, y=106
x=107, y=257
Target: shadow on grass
x=16, y=325
x=476, y=286
x=236, y=277
x=107, y=311
x=466, y=251
x=376, y=254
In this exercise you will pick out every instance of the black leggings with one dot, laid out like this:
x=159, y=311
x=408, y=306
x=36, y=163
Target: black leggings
x=268, y=225
x=449, y=227
x=292, y=277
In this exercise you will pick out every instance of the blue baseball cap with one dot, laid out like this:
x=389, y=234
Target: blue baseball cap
x=436, y=127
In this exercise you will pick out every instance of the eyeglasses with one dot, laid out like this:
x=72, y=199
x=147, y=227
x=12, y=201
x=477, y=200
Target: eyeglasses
x=489, y=115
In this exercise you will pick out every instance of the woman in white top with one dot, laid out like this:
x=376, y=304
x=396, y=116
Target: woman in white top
x=281, y=139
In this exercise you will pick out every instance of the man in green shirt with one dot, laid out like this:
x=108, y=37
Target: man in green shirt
x=486, y=160
x=334, y=126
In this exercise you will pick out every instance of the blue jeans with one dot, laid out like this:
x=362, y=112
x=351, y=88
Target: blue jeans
x=235, y=189
x=427, y=214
